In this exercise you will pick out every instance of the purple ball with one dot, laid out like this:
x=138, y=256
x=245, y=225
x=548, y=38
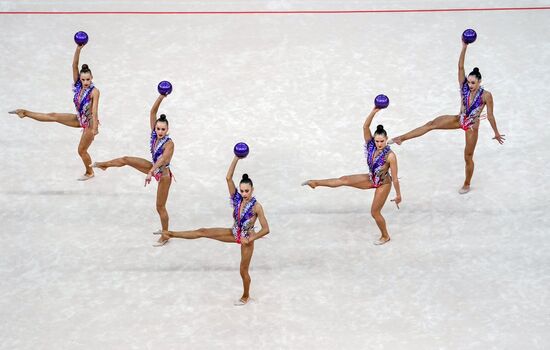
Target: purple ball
x=164, y=88
x=469, y=36
x=241, y=150
x=381, y=101
x=81, y=38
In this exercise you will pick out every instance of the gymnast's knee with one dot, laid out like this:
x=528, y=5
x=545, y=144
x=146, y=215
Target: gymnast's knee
x=344, y=180
x=469, y=158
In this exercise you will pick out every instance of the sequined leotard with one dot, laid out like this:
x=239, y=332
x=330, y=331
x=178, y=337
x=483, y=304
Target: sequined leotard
x=82, y=102
x=157, y=149
x=243, y=217
x=470, y=111
x=378, y=166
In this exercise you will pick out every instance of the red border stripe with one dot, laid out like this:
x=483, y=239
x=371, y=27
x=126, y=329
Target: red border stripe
x=270, y=12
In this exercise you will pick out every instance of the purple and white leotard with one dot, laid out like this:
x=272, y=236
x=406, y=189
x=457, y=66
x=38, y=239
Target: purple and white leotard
x=378, y=167
x=243, y=217
x=469, y=113
x=82, y=103
x=157, y=149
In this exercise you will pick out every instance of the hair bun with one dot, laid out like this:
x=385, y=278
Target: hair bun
x=246, y=180
x=379, y=127
x=162, y=117
x=85, y=69
x=475, y=72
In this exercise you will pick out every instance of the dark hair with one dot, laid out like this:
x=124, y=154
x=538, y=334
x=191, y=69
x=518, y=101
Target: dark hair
x=380, y=131
x=476, y=73
x=163, y=119
x=85, y=69
x=246, y=180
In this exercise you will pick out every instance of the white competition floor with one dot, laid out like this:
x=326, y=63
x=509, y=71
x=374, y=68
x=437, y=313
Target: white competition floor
x=77, y=266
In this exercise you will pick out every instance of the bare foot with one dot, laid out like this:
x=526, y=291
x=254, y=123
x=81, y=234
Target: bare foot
x=310, y=183
x=97, y=165
x=382, y=240
x=465, y=189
